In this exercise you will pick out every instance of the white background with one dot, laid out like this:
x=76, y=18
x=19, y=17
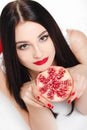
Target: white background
x=69, y=14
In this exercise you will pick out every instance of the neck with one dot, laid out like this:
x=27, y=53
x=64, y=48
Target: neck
x=33, y=74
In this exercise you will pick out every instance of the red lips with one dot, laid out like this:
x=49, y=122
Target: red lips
x=41, y=62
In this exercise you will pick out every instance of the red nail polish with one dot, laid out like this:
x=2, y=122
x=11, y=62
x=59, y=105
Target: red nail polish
x=69, y=101
x=50, y=105
x=76, y=98
x=72, y=94
x=38, y=97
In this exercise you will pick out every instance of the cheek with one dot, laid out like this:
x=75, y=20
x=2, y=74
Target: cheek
x=23, y=58
x=25, y=61
x=51, y=49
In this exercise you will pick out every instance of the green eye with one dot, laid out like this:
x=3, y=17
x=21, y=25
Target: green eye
x=24, y=46
x=44, y=38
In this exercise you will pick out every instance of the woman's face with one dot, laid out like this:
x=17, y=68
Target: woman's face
x=34, y=46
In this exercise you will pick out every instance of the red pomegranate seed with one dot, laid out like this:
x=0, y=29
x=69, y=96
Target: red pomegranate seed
x=55, y=83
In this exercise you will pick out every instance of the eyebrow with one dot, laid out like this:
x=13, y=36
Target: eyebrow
x=42, y=33
x=19, y=42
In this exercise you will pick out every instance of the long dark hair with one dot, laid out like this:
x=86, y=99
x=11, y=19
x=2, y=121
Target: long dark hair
x=29, y=10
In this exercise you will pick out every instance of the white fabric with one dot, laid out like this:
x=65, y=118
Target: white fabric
x=1, y=62
x=10, y=118
x=75, y=121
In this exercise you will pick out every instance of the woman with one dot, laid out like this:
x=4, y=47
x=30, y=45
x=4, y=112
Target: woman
x=23, y=56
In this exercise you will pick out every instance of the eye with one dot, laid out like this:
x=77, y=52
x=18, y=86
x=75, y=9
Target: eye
x=23, y=46
x=44, y=37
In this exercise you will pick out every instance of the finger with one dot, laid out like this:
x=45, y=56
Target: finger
x=29, y=98
x=72, y=98
x=41, y=99
x=32, y=102
x=45, y=102
x=78, y=89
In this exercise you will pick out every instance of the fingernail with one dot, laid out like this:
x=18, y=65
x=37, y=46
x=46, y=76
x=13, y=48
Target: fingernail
x=76, y=98
x=69, y=101
x=50, y=105
x=38, y=97
x=44, y=106
x=72, y=94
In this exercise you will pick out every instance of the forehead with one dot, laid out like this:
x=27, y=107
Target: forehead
x=28, y=29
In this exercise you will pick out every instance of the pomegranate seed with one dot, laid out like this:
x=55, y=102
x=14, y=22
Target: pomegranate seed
x=55, y=82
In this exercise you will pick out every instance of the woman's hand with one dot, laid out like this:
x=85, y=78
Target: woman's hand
x=31, y=96
x=79, y=75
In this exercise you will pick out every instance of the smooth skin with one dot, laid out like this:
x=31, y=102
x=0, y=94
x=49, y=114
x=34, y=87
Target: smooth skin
x=78, y=45
x=35, y=47
x=39, y=115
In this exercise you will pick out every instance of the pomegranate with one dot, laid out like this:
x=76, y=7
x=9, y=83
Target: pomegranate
x=55, y=83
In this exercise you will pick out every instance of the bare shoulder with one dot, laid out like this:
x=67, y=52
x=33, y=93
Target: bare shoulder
x=78, y=44
x=77, y=38
x=76, y=33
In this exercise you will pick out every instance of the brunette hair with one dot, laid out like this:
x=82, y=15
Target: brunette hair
x=29, y=10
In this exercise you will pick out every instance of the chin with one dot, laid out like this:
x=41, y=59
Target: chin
x=43, y=68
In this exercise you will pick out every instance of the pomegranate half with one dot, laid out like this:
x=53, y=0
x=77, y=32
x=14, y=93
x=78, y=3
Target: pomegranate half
x=55, y=83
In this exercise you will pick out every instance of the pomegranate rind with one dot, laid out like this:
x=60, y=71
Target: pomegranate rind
x=55, y=84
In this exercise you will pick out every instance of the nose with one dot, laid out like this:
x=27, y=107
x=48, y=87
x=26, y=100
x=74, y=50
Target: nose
x=37, y=52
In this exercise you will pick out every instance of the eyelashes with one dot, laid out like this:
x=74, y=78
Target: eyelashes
x=44, y=37
x=23, y=46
